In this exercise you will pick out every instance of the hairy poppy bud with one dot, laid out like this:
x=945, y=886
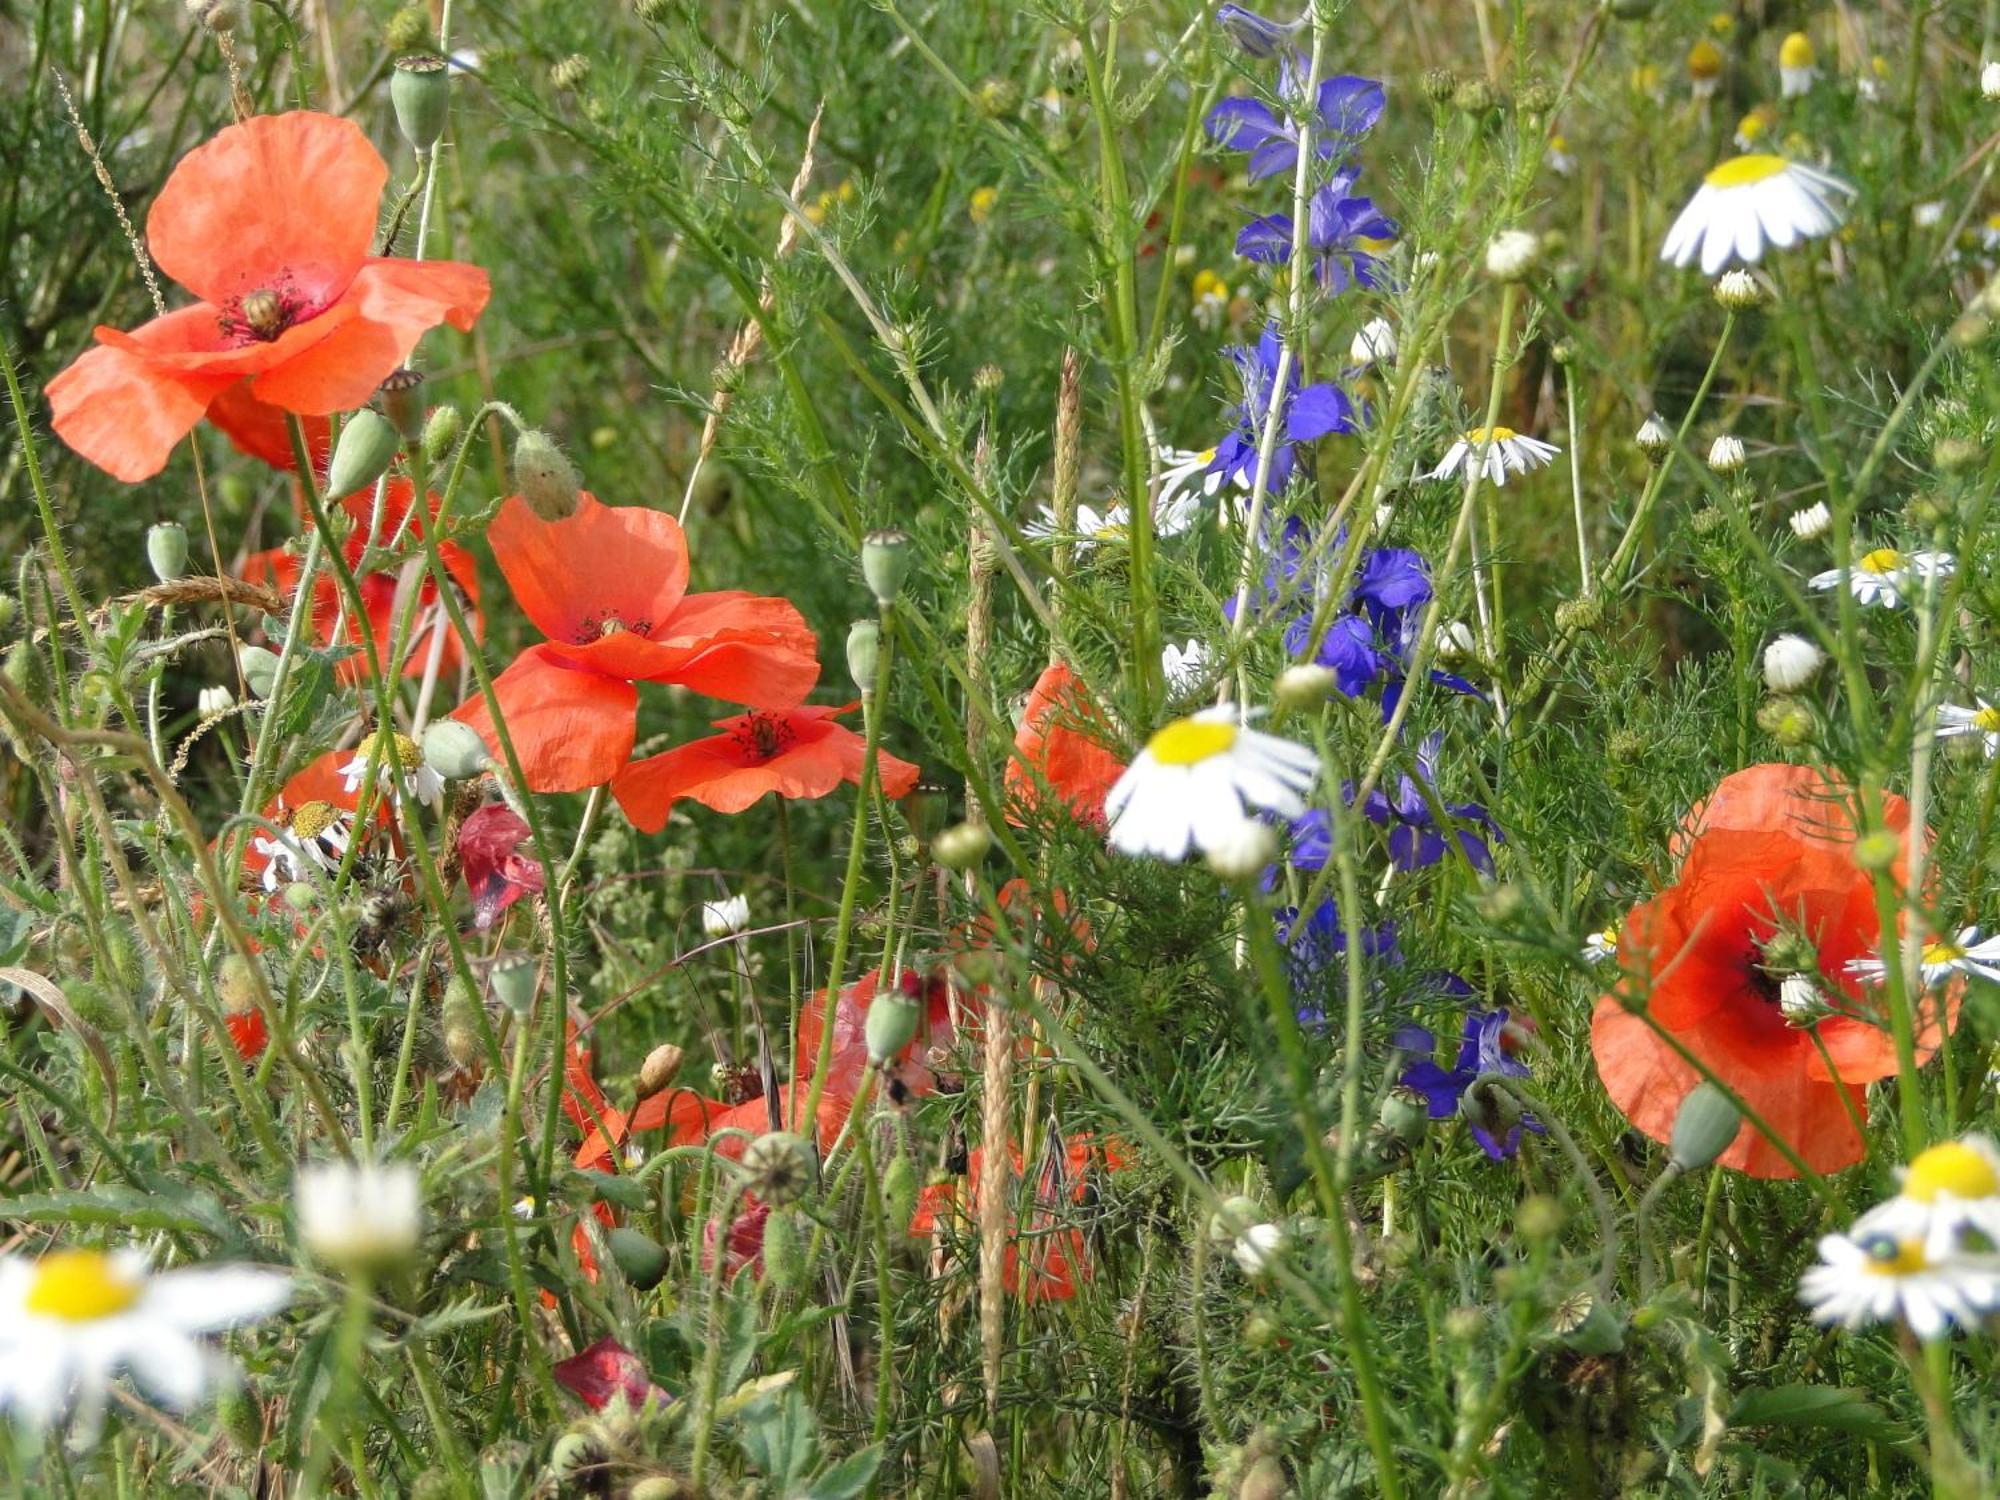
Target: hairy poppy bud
x=639, y=1256
x=885, y=563
x=783, y=1260
x=864, y=653
x=460, y=1017
x=546, y=480
x=455, y=750
x=659, y=1069
x=403, y=402
x=899, y=1189
x=260, y=669
x=420, y=91
x=167, y=550
x=441, y=431
x=891, y=1026
x=363, y=452
x=779, y=1167
x=962, y=847
x=1705, y=1125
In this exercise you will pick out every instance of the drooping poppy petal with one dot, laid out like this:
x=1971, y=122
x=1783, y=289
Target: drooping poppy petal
x=260, y=430
x=114, y=409
x=754, y=649
x=1064, y=745
x=496, y=871
x=572, y=729
x=606, y=1371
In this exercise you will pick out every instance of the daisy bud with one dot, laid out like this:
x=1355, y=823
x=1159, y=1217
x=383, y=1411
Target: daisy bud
x=1439, y=85
x=1738, y=290
x=167, y=550
x=1245, y=852
x=782, y=1259
x=988, y=379
x=514, y=980
x=725, y=918
x=1703, y=1128
x=259, y=668
x=892, y=1024
x=1812, y=523
x=997, y=98
x=1800, y=1001
x=362, y=453
x=780, y=1167
x=409, y=30
x=1511, y=254
x=1653, y=438
x=1456, y=642
x=1375, y=344
x=1786, y=720
x=1878, y=849
x=1790, y=662
x=864, y=654
x=1989, y=82
x=441, y=432
x=639, y=1257
x=962, y=847
x=546, y=480
x=211, y=701
x=885, y=563
x=402, y=396
x=1580, y=615
x=1536, y=98
x=659, y=1069
x=1305, y=686
x=1951, y=454
x=1464, y=1324
x=1473, y=96
x=1725, y=454
x=1539, y=1218
x=1257, y=1247
x=454, y=750
x=359, y=1217
x=569, y=73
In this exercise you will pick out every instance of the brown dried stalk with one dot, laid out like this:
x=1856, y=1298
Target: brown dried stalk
x=995, y=1177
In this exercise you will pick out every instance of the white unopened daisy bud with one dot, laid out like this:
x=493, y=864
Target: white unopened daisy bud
x=1989, y=81
x=1304, y=686
x=1455, y=641
x=1512, y=254
x=1813, y=522
x=211, y=701
x=1795, y=65
x=725, y=918
x=1654, y=438
x=1800, y=1001
x=1257, y=1247
x=1375, y=344
x=1790, y=662
x=1725, y=454
x=1245, y=852
x=359, y=1217
x=1737, y=290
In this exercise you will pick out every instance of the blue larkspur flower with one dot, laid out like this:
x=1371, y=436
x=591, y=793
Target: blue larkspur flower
x=1306, y=414
x=1258, y=36
x=1346, y=108
x=1317, y=946
x=1336, y=226
x=1482, y=1050
x=1415, y=837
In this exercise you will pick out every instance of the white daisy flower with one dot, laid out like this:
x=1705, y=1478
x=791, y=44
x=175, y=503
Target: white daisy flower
x=75, y=1319
x=1982, y=720
x=1499, y=453
x=358, y=1215
x=1556, y=154
x=1183, y=471
x=1198, y=779
x=1749, y=201
x=1989, y=82
x=1601, y=944
x=1185, y=667
x=314, y=840
x=1877, y=1278
x=1374, y=343
x=1257, y=1247
x=421, y=782
x=1795, y=65
x=1965, y=954
x=1885, y=576
x=725, y=918
x=1790, y=662
x=1947, y=1190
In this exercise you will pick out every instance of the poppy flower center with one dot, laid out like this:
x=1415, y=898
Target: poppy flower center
x=600, y=627
x=260, y=315
x=1954, y=1168
x=80, y=1286
x=762, y=736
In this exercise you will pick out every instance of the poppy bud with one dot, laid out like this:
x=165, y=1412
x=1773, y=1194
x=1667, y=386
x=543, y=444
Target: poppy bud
x=639, y=1256
x=1539, y=1218
x=363, y=452
x=885, y=563
x=546, y=480
x=783, y=1260
x=167, y=550
x=891, y=1026
x=659, y=1069
x=899, y=1189
x=455, y=750
x=962, y=847
x=1878, y=850
x=420, y=91
x=403, y=402
x=1704, y=1127
x=512, y=979
x=460, y=1016
x=260, y=669
x=629, y=1193
x=441, y=430
x=9, y=608
x=864, y=652
x=779, y=1167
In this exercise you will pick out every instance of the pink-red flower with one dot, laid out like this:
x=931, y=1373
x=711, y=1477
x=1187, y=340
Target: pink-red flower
x=496, y=871
x=270, y=225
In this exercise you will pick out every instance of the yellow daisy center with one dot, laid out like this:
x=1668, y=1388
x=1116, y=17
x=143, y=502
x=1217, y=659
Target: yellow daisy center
x=981, y=206
x=1937, y=951
x=1881, y=560
x=1491, y=435
x=1890, y=1257
x=1187, y=742
x=1751, y=126
x=1207, y=284
x=1704, y=59
x=1987, y=719
x=80, y=1286
x=1742, y=171
x=314, y=818
x=1796, y=52
x=409, y=754
x=1953, y=1167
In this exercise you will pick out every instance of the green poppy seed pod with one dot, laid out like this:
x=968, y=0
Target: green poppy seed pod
x=441, y=430
x=864, y=652
x=885, y=563
x=513, y=979
x=1403, y=1113
x=779, y=1167
x=576, y=1457
x=782, y=1259
x=403, y=402
x=1704, y=1127
x=420, y=90
x=454, y=750
x=899, y=1189
x=362, y=453
x=167, y=550
x=1588, y=1325
x=639, y=1257
x=259, y=668
x=962, y=847
x=546, y=480
x=459, y=1015
x=892, y=1025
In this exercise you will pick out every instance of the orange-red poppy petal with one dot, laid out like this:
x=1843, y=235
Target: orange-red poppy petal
x=618, y=566
x=753, y=649
x=293, y=195
x=260, y=429
x=1063, y=746
x=571, y=729
x=117, y=409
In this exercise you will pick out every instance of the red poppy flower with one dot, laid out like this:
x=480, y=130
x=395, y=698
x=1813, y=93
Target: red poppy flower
x=261, y=430
x=1057, y=1262
x=800, y=752
x=604, y=1372
x=1772, y=849
x=269, y=225
x=745, y=1246
x=496, y=872
x=1063, y=747
x=279, y=567
x=608, y=587
x=247, y=1033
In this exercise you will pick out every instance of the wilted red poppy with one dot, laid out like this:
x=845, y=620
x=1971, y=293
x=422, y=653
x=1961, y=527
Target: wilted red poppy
x=1771, y=852
x=1056, y=1259
x=800, y=753
x=279, y=567
x=270, y=225
x=1063, y=747
x=496, y=872
x=606, y=1371
x=608, y=587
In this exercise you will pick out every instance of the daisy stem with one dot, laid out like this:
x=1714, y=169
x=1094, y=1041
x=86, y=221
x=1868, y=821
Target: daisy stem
x=1576, y=482
x=1953, y=1476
